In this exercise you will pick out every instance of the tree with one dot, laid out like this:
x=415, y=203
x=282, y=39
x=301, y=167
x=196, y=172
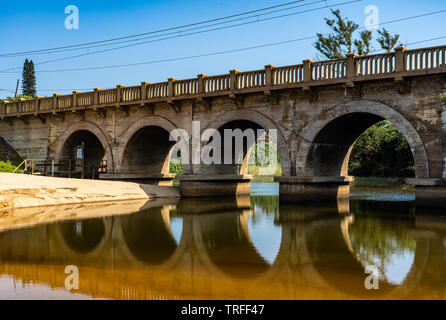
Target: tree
x=341, y=41
x=386, y=40
x=28, y=79
x=382, y=151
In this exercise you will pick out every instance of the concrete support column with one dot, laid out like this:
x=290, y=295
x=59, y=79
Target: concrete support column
x=217, y=185
x=318, y=189
x=429, y=193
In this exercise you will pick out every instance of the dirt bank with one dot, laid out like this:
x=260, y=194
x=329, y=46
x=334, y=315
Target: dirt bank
x=22, y=191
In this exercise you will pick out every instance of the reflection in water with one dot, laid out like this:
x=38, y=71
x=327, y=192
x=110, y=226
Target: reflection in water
x=385, y=244
x=265, y=233
x=233, y=249
x=83, y=236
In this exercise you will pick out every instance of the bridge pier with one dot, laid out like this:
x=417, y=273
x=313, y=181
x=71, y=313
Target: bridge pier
x=218, y=185
x=304, y=189
x=429, y=192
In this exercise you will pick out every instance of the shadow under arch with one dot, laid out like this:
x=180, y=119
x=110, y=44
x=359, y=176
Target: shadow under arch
x=227, y=243
x=85, y=131
x=147, y=235
x=327, y=141
x=145, y=146
x=257, y=121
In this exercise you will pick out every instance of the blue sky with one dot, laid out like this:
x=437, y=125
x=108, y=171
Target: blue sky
x=31, y=25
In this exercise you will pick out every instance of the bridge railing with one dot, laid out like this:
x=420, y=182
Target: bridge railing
x=423, y=59
x=329, y=70
x=287, y=75
x=216, y=83
x=400, y=63
x=375, y=65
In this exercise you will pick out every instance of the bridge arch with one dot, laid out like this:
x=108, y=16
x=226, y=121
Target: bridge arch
x=146, y=133
x=336, y=130
x=262, y=121
x=90, y=131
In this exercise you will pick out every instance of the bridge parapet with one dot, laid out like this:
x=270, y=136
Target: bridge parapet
x=398, y=65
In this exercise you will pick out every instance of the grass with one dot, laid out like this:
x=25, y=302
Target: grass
x=379, y=182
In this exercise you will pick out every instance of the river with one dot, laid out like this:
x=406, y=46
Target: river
x=375, y=246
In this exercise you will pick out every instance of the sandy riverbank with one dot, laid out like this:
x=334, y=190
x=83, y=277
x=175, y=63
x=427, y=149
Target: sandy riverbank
x=23, y=191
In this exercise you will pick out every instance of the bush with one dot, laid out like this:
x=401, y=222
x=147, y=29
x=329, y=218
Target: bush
x=176, y=167
x=8, y=167
x=382, y=151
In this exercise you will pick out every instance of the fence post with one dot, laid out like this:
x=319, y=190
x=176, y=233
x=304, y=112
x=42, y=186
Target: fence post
x=144, y=85
x=37, y=103
x=201, y=77
x=55, y=100
x=170, y=87
x=233, y=79
x=308, y=70
x=269, y=81
x=400, y=60
x=74, y=102
x=96, y=96
x=118, y=92
x=350, y=64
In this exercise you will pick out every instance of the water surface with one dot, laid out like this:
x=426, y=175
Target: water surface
x=244, y=248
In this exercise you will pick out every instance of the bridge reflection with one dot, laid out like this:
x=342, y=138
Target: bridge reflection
x=322, y=252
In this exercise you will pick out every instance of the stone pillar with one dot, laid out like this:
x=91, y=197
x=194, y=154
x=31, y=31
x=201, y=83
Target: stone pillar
x=214, y=185
x=352, y=70
x=55, y=100
x=96, y=96
x=170, y=87
x=313, y=189
x=429, y=193
x=201, y=88
x=74, y=101
x=308, y=70
x=118, y=92
x=269, y=81
x=400, y=61
x=233, y=79
x=144, y=86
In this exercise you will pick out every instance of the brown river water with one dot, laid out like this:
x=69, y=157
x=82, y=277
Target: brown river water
x=245, y=248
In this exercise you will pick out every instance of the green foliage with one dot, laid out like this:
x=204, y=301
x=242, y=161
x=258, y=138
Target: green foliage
x=176, y=167
x=29, y=79
x=22, y=96
x=386, y=40
x=259, y=158
x=8, y=167
x=375, y=240
x=382, y=151
x=343, y=40
x=443, y=99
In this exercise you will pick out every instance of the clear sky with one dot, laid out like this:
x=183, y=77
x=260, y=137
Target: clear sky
x=31, y=25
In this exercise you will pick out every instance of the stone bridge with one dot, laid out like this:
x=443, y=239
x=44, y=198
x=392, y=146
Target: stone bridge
x=216, y=254
x=319, y=109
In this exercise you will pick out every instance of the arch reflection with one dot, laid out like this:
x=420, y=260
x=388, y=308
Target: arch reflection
x=83, y=236
x=148, y=236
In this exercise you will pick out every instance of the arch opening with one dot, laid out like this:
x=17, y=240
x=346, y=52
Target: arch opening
x=245, y=149
x=94, y=156
x=148, y=151
x=350, y=142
